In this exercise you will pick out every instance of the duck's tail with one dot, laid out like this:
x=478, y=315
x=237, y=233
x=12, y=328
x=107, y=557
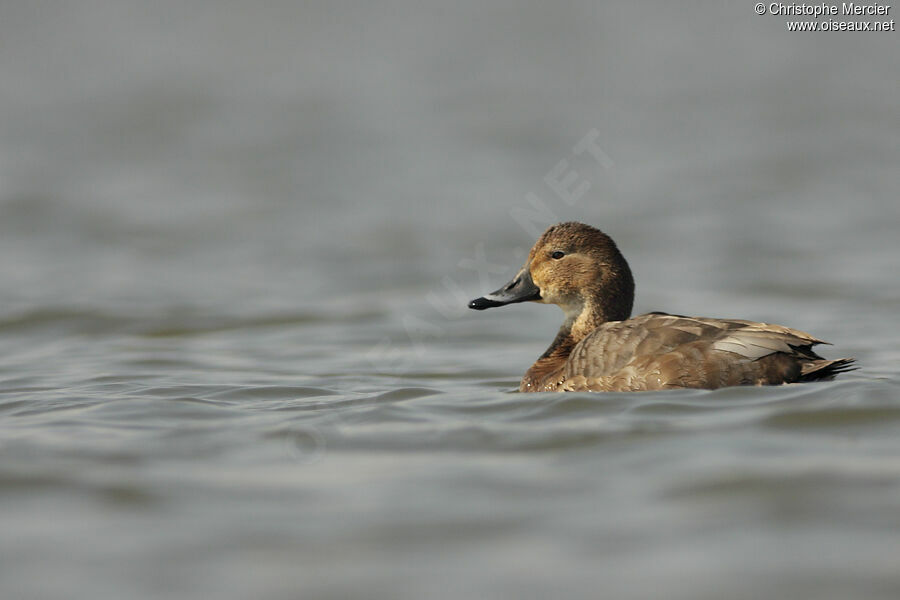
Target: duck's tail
x=826, y=370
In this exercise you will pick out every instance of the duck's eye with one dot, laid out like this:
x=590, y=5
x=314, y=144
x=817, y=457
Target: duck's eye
x=557, y=254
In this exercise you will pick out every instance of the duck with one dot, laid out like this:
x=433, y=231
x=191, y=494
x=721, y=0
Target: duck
x=600, y=347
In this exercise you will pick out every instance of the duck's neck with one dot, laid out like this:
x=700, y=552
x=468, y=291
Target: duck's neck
x=546, y=373
x=609, y=299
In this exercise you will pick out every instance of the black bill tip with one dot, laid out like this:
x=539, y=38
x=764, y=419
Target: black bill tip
x=483, y=303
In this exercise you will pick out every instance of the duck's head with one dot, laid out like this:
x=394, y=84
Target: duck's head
x=575, y=266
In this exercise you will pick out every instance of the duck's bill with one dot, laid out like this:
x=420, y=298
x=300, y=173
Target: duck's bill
x=520, y=289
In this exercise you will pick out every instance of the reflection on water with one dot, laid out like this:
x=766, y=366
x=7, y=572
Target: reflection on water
x=237, y=246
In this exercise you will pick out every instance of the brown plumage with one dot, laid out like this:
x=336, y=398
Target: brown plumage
x=599, y=348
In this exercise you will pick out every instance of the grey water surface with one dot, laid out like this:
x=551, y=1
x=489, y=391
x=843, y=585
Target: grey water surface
x=236, y=244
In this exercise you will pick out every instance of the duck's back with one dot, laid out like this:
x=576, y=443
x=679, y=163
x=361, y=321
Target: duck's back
x=661, y=351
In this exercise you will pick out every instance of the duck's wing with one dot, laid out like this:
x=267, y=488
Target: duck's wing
x=658, y=350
